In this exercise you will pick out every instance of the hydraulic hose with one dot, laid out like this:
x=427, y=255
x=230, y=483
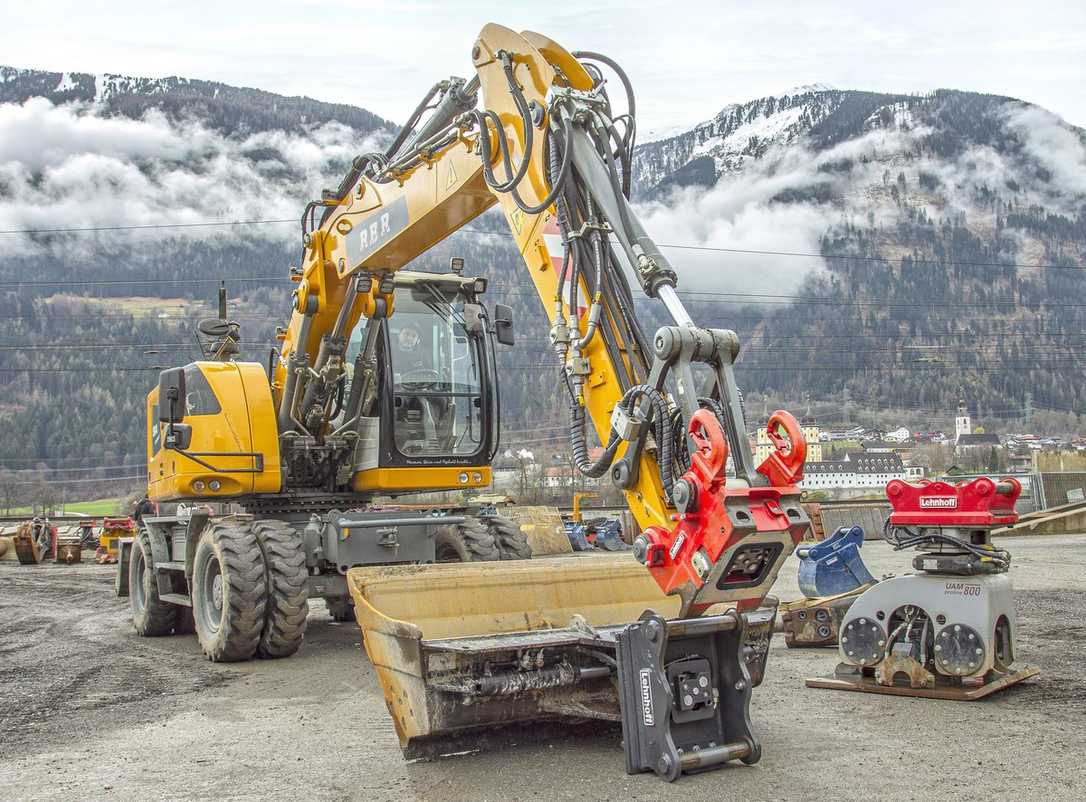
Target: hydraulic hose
x=658, y=417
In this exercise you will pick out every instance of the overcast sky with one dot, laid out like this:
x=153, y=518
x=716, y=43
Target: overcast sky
x=687, y=60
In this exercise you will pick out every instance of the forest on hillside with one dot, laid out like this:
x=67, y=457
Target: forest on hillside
x=949, y=262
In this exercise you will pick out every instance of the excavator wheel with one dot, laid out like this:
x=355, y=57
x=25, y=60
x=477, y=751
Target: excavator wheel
x=229, y=591
x=288, y=588
x=467, y=542
x=151, y=616
x=510, y=538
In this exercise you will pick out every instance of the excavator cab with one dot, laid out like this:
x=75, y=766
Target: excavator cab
x=433, y=413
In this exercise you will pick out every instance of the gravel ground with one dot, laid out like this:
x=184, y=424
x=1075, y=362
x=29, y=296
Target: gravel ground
x=90, y=711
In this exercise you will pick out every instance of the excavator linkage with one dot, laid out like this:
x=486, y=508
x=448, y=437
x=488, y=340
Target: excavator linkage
x=552, y=639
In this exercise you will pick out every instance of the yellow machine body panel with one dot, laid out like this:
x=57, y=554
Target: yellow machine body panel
x=401, y=607
x=234, y=445
x=422, y=479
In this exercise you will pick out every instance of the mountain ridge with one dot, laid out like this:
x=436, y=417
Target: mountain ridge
x=133, y=95
x=922, y=208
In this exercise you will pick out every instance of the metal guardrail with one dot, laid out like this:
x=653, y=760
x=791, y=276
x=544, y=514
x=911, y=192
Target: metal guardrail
x=18, y=519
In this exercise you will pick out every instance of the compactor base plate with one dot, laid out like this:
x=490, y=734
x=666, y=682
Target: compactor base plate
x=957, y=693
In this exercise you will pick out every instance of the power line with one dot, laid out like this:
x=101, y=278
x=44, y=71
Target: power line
x=78, y=370
x=675, y=246
x=105, y=283
x=130, y=466
x=98, y=479
x=87, y=229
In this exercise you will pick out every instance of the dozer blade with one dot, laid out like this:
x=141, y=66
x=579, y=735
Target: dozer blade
x=462, y=648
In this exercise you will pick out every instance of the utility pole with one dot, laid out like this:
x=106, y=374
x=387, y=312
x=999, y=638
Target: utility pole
x=1029, y=410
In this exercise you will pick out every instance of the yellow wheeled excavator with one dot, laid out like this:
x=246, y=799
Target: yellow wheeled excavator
x=385, y=384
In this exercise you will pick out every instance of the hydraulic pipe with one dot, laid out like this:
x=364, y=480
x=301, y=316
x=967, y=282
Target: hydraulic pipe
x=714, y=755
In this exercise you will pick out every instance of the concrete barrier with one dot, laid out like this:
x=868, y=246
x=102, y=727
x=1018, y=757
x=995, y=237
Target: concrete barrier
x=869, y=516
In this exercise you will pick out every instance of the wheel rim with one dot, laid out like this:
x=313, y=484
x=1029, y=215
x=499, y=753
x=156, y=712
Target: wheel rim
x=139, y=592
x=211, y=599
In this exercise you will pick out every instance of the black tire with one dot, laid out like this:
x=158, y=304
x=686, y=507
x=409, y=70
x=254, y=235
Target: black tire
x=341, y=610
x=229, y=591
x=151, y=616
x=468, y=542
x=288, y=588
x=512, y=542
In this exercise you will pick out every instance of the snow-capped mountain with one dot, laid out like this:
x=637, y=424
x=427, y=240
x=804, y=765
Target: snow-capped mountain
x=228, y=109
x=819, y=118
x=835, y=230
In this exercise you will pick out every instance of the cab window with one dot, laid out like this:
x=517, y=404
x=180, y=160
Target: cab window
x=436, y=376
x=156, y=430
x=199, y=399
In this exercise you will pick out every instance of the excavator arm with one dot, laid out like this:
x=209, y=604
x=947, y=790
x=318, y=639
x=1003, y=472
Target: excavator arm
x=467, y=647
x=535, y=131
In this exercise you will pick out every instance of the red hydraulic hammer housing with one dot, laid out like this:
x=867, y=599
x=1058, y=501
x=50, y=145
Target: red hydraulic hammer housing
x=729, y=542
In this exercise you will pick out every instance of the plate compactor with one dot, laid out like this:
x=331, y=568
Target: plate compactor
x=947, y=631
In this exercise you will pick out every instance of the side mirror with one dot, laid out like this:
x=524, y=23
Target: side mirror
x=503, y=324
x=473, y=319
x=171, y=395
x=178, y=437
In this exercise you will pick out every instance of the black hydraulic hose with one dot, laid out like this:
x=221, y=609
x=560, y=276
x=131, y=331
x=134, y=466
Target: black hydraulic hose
x=682, y=454
x=495, y=413
x=631, y=104
x=678, y=433
x=616, y=186
x=592, y=56
x=557, y=179
x=309, y=207
x=486, y=148
x=661, y=423
x=358, y=167
x=892, y=535
x=658, y=418
x=562, y=208
x=340, y=391
x=409, y=126
x=512, y=178
x=579, y=446
x=620, y=291
x=622, y=154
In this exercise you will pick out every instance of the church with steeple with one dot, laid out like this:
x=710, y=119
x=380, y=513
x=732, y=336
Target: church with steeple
x=965, y=437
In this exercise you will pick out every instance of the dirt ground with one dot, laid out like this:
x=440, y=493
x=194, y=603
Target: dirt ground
x=90, y=711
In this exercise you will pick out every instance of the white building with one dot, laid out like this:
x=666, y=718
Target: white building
x=900, y=435
x=856, y=470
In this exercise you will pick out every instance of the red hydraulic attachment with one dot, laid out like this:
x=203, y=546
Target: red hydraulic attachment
x=979, y=504
x=729, y=543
